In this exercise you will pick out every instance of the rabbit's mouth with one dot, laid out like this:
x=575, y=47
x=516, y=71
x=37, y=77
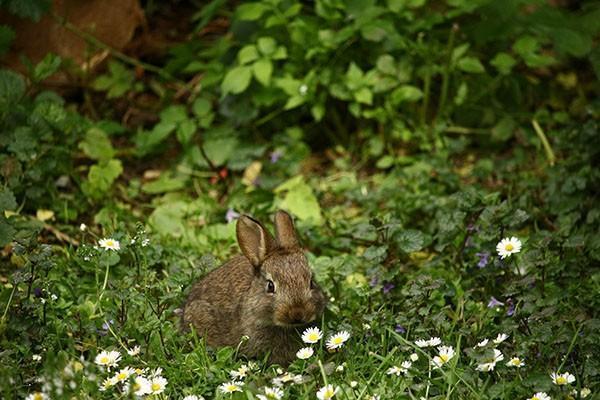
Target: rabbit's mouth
x=294, y=322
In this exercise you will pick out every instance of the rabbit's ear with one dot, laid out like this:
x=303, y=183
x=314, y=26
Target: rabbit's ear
x=254, y=240
x=285, y=231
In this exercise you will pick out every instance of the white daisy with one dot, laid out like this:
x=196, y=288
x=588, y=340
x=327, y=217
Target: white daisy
x=585, y=392
x=434, y=341
x=134, y=351
x=336, y=341
x=540, y=396
x=36, y=357
x=108, y=358
x=562, y=379
x=515, y=362
x=490, y=363
x=422, y=343
x=82, y=227
x=340, y=368
x=483, y=343
x=353, y=384
x=193, y=397
x=271, y=393
x=37, y=396
x=230, y=387
x=445, y=354
x=394, y=370
x=508, y=246
x=109, y=244
x=327, y=392
x=305, y=352
x=500, y=338
x=239, y=373
x=414, y=357
x=141, y=386
x=108, y=383
x=312, y=335
x=406, y=365
x=123, y=374
x=158, y=384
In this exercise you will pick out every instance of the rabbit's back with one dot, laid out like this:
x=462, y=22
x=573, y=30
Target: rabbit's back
x=215, y=304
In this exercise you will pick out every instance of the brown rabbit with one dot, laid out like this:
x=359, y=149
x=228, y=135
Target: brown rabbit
x=265, y=294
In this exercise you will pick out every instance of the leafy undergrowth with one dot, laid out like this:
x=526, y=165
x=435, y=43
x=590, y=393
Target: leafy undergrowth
x=456, y=239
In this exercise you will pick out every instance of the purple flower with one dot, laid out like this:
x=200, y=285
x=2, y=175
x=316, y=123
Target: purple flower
x=231, y=215
x=374, y=281
x=494, y=303
x=37, y=292
x=483, y=259
x=399, y=329
x=387, y=287
x=275, y=156
x=511, y=307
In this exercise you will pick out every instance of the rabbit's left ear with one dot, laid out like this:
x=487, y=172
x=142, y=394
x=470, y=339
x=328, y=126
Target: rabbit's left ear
x=284, y=230
x=254, y=240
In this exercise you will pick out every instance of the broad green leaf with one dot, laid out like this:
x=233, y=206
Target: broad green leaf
x=7, y=200
x=386, y=64
x=101, y=177
x=12, y=87
x=165, y=183
x=409, y=240
x=267, y=45
x=471, y=65
x=251, y=11
x=236, y=80
x=504, y=63
x=185, y=131
x=294, y=102
x=173, y=114
x=406, y=93
x=385, y=162
x=201, y=107
x=364, y=95
x=247, y=54
x=96, y=145
x=220, y=149
x=7, y=231
x=297, y=197
x=289, y=85
x=263, y=69
x=48, y=66
x=504, y=129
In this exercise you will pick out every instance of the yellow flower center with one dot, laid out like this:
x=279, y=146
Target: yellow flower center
x=155, y=386
x=509, y=247
x=444, y=358
x=121, y=376
x=313, y=337
x=38, y=396
x=231, y=388
x=535, y=398
x=561, y=380
x=138, y=371
x=104, y=360
x=338, y=340
x=328, y=394
x=136, y=386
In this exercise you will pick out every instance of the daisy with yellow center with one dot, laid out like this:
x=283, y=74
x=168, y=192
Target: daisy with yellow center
x=134, y=351
x=239, y=373
x=562, y=379
x=508, y=247
x=515, y=362
x=230, y=387
x=141, y=386
x=305, y=352
x=109, y=244
x=445, y=354
x=158, y=385
x=327, y=392
x=108, y=358
x=123, y=374
x=336, y=341
x=540, y=396
x=312, y=335
x=500, y=338
x=36, y=396
x=108, y=383
x=271, y=393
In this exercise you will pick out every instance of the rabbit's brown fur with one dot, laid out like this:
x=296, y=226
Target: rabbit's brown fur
x=234, y=300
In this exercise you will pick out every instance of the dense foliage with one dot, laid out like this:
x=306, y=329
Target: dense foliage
x=407, y=138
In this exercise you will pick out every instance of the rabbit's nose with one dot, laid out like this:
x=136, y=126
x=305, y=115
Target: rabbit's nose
x=297, y=316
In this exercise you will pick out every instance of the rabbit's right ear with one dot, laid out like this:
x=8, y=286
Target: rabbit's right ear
x=254, y=240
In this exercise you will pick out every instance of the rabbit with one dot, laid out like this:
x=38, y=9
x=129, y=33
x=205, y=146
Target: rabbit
x=265, y=293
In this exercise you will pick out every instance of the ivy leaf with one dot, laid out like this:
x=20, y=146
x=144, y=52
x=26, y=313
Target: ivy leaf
x=410, y=240
x=236, y=80
x=96, y=145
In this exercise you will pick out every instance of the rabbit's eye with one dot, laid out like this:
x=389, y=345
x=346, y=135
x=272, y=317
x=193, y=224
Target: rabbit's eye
x=270, y=287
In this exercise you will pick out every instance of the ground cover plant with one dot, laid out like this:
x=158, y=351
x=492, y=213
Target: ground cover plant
x=440, y=159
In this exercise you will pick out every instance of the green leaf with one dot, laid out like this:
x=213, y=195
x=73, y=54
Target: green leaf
x=364, y=95
x=294, y=101
x=289, y=85
x=185, y=131
x=504, y=129
x=7, y=200
x=12, y=87
x=7, y=35
x=219, y=149
x=247, y=54
x=251, y=11
x=201, y=107
x=504, y=63
x=236, y=80
x=298, y=198
x=318, y=111
x=263, y=69
x=386, y=64
x=409, y=240
x=165, y=183
x=101, y=177
x=471, y=65
x=48, y=66
x=406, y=93
x=173, y=114
x=32, y=9
x=267, y=45
x=385, y=162
x=96, y=145
x=7, y=231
